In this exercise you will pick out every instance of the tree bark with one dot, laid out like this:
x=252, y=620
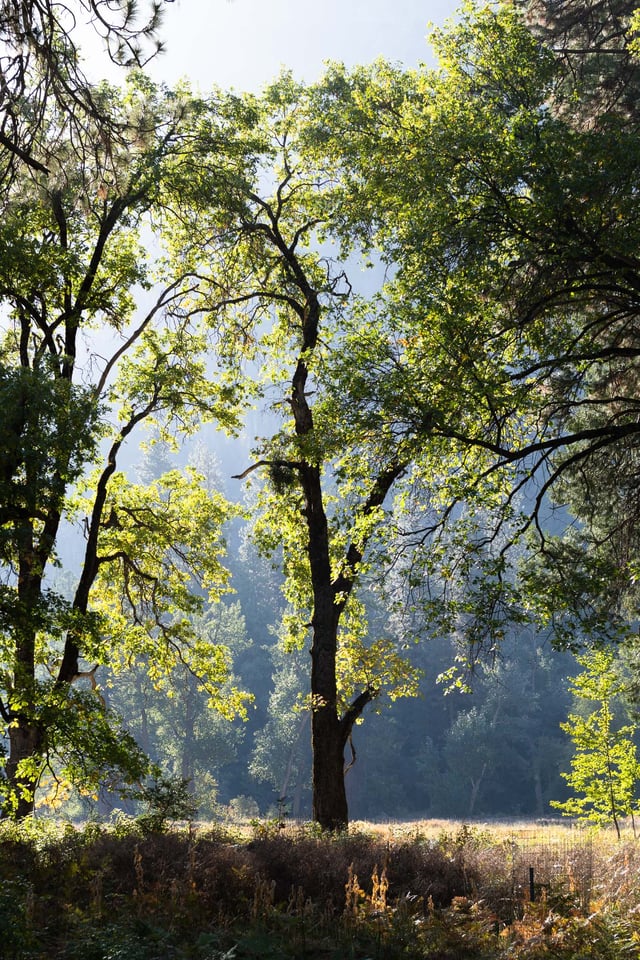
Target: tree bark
x=330, y=809
x=327, y=735
x=25, y=734
x=25, y=740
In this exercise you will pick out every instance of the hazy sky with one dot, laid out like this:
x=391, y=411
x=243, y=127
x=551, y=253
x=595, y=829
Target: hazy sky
x=245, y=43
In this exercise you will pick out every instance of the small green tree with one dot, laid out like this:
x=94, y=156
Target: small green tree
x=604, y=768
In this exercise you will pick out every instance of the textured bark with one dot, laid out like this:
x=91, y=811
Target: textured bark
x=330, y=809
x=327, y=737
x=25, y=742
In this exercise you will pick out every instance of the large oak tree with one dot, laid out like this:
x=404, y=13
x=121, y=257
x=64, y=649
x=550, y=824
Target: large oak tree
x=501, y=189
x=261, y=242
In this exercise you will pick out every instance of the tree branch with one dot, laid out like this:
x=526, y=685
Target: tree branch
x=293, y=464
x=355, y=710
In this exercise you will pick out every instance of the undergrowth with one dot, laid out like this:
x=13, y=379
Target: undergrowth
x=122, y=892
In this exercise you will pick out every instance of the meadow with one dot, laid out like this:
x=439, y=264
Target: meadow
x=131, y=890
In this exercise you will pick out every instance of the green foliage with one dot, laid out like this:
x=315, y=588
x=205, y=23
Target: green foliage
x=500, y=212
x=81, y=368
x=50, y=433
x=87, y=747
x=160, y=558
x=605, y=767
x=15, y=922
x=166, y=799
x=171, y=716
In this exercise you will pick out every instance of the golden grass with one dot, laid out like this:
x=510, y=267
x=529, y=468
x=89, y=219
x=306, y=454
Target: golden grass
x=526, y=831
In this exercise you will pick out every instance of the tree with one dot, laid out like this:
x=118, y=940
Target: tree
x=502, y=751
x=281, y=753
x=171, y=718
x=512, y=232
x=41, y=67
x=256, y=239
x=604, y=767
x=79, y=372
x=594, y=41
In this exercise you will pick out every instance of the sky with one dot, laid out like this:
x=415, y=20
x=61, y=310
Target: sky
x=243, y=44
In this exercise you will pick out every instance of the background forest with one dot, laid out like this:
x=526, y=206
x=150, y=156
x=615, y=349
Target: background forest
x=318, y=467
x=496, y=750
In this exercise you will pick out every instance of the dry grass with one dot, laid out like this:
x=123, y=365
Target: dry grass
x=527, y=831
x=429, y=889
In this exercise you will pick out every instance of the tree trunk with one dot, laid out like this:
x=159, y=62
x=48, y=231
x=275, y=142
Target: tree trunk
x=24, y=744
x=25, y=735
x=327, y=730
x=329, y=796
x=475, y=790
x=330, y=588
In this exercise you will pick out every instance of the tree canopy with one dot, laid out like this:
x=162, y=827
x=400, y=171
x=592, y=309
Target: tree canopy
x=42, y=70
x=81, y=368
x=511, y=231
x=460, y=421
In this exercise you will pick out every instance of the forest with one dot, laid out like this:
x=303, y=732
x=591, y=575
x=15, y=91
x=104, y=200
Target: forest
x=318, y=497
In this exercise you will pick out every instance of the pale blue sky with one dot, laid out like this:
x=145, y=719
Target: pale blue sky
x=245, y=43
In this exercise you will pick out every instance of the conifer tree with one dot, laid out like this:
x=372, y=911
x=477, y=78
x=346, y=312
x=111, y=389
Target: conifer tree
x=594, y=41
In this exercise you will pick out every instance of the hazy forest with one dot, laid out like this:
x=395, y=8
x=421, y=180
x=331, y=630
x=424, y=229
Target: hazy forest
x=318, y=482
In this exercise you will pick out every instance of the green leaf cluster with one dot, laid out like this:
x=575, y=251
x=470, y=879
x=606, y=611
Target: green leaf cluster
x=605, y=771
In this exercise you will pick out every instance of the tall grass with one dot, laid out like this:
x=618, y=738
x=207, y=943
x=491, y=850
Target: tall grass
x=424, y=890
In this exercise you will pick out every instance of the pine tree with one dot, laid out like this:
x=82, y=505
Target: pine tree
x=594, y=39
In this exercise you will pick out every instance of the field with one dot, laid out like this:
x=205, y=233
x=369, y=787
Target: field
x=429, y=889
